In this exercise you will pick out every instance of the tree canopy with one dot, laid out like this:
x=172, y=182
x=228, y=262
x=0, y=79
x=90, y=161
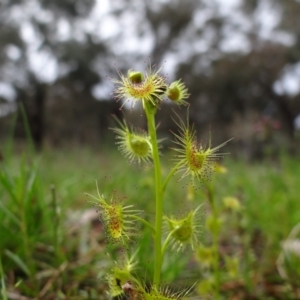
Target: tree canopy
x=235, y=57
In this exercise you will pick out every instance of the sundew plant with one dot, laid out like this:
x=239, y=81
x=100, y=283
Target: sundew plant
x=192, y=159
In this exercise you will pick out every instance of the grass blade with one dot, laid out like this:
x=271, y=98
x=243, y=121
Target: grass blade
x=7, y=184
x=27, y=130
x=3, y=286
x=9, y=214
x=8, y=149
x=18, y=261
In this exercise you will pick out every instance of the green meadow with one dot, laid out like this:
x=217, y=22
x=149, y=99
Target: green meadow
x=52, y=245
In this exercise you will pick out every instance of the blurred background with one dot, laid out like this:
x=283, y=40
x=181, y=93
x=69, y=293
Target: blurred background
x=240, y=60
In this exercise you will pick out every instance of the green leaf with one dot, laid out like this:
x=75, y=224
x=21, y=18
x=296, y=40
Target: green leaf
x=18, y=261
x=9, y=214
x=7, y=184
x=3, y=286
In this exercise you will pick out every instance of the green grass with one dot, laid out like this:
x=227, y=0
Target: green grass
x=48, y=250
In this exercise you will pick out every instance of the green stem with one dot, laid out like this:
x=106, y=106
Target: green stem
x=211, y=199
x=216, y=265
x=170, y=175
x=144, y=222
x=24, y=230
x=56, y=221
x=158, y=197
x=3, y=286
x=164, y=247
x=247, y=277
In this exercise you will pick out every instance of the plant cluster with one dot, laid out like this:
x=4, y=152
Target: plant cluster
x=191, y=159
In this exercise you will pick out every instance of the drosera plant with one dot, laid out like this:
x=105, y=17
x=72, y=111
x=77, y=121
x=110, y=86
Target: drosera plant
x=192, y=159
x=209, y=256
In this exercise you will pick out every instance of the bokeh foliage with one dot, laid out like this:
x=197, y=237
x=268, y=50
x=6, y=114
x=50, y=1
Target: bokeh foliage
x=227, y=83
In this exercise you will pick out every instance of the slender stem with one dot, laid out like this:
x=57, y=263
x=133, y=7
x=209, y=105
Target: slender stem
x=211, y=199
x=24, y=230
x=3, y=286
x=56, y=221
x=164, y=247
x=172, y=172
x=247, y=277
x=144, y=222
x=158, y=197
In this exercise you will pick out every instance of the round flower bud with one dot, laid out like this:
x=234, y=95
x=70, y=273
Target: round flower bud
x=139, y=145
x=232, y=203
x=177, y=92
x=218, y=168
x=205, y=256
x=118, y=220
x=195, y=159
x=120, y=275
x=185, y=231
x=136, y=86
x=213, y=224
x=135, y=76
x=134, y=144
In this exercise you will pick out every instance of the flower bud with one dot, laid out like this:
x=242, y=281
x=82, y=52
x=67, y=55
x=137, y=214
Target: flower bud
x=135, y=145
x=115, y=281
x=193, y=158
x=213, y=224
x=218, y=168
x=173, y=92
x=232, y=266
x=206, y=287
x=177, y=92
x=137, y=86
x=232, y=203
x=205, y=256
x=182, y=228
x=139, y=145
x=135, y=76
x=120, y=275
x=117, y=219
x=185, y=231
